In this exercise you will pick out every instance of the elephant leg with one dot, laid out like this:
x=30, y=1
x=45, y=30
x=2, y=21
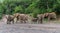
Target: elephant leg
x=8, y=22
x=38, y=21
x=49, y=19
x=16, y=20
x=21, y=21
x=13, y=21
x=25, y=21
x=41, y=21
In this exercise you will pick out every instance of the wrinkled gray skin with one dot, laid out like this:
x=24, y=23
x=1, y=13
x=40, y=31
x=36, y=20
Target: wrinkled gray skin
x=10, y=18
x=40, y=18
x=50, y=15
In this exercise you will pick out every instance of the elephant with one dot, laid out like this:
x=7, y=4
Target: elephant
x=40, y=18
x=34, y=19
x=10, y=18
x=50, y=15
x=23, y=18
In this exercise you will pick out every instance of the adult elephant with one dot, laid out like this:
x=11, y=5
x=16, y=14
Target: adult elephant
x=23, y=18
x=10, y=18
x=50, y=15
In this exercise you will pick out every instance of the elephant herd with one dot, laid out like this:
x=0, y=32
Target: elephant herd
x=24, y=18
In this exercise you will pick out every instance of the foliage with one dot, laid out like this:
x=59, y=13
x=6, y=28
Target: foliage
x=33, y=7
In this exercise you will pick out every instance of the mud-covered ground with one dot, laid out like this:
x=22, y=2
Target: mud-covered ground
x=28, y=28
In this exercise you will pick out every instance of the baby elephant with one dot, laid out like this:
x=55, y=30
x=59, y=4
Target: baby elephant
x=34, y=19
x=40, y=18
